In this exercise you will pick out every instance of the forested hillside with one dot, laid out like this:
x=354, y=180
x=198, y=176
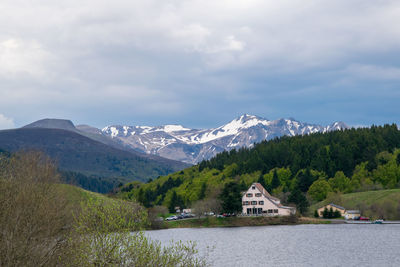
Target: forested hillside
x=299, y=170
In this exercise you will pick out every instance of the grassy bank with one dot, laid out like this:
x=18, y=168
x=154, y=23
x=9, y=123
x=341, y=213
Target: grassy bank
x=241, y=221
x=76, y=194
x=375, y=204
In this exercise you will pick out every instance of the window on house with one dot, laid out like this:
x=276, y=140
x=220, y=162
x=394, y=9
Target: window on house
x=253, y=187
x=261, y=202
x=275, y=211
x=244, y=203
x=254, y=203
x=258, y=194
x=259, y=211
x=249, y=195
x=269, y=211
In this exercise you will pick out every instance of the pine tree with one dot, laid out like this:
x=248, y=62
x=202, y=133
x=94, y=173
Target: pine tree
x=337, y=214
x=305, y=180
x=275, y=183
x=298, y=198
x=330, y=213
x=173, y=202
x=261, y=180
x=203, y=191
x=316, y=215
x=140, y=196
x=231, y=198
x=146, y=198
x=243, y=186
x=325, y=214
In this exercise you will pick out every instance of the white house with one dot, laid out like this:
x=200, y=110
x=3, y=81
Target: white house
x=257, y=201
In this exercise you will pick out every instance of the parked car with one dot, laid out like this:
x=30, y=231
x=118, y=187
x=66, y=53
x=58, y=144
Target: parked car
x=362, y=218
x=221, y=215
x=171, y=218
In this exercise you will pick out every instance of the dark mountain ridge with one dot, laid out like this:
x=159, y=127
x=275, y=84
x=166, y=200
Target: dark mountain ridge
x=75, y=152
x=52, y=124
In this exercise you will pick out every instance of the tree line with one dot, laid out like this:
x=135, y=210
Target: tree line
x=325, y=152
x=298, y=170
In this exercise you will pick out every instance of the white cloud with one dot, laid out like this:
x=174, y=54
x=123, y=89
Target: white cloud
x=6, y=123
x=284, y=34
x=168, y=56
x=22, y=57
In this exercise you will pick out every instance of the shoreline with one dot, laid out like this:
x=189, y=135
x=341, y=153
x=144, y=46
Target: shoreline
x=213, y=222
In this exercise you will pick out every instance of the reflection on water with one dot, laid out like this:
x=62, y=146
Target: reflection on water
x=301, y=245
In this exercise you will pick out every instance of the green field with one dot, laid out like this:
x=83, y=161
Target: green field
x=375, y=204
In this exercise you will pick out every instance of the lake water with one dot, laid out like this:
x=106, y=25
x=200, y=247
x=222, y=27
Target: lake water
x=300, y=245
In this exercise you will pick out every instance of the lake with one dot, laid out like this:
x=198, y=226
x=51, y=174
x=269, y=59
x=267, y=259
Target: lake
x=299, y=245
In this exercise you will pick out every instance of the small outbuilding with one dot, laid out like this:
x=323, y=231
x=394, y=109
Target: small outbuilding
x=352, y=214
x=334, y=207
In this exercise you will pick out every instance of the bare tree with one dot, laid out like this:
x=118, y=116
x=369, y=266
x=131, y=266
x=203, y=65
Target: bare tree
x=154, y=214
x=37, y=229
x=203, y=207
x=199, y=208
x=33, y=211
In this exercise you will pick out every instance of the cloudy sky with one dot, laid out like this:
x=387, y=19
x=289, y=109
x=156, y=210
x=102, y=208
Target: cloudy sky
x=199, y=63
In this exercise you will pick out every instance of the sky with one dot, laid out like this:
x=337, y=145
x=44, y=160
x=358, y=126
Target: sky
x=199, y=63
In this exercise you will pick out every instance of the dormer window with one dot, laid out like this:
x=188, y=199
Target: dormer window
x=249, y=195
x=258, y=194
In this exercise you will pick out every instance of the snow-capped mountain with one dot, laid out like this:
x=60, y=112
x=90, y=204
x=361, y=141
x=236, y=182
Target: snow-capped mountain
x=193, y=145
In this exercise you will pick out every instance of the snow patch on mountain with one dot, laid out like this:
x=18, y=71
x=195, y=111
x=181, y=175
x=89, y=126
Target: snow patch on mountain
x=193, y=145
x=173, y=128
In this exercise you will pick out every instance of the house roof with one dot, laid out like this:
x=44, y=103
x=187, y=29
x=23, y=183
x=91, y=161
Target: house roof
x=337, y=206
x=286, y=207
x=353, y=212
x=268, y=196
x=262, y=189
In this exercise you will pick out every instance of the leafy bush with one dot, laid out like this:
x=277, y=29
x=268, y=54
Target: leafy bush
x=109, y=234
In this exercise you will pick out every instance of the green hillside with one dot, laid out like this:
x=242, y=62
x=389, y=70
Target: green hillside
x=375, y=204
x=76, y=194
x=299, y=170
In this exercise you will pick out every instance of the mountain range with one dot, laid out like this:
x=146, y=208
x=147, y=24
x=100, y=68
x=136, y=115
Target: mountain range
x=101, y=158
x=92, y=161
x=194, y=145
